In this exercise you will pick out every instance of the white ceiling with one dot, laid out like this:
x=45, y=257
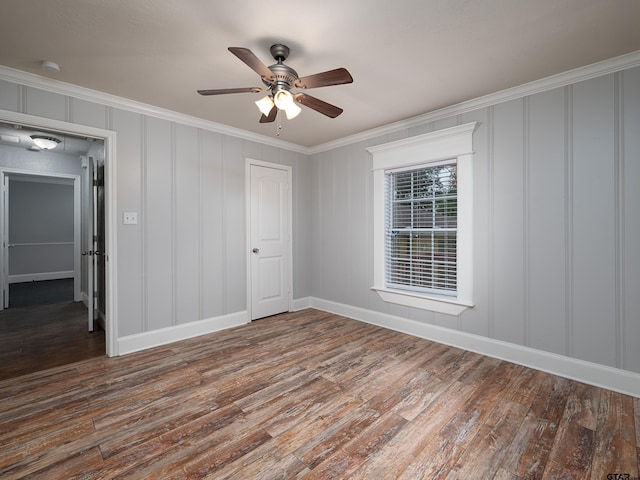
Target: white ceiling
x=407, y=57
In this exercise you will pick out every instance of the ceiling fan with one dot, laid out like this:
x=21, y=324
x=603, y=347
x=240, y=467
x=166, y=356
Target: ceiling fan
x=279, y=79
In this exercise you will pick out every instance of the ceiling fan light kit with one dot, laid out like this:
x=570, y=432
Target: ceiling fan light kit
x=265, y=104
x=292, y=111
x=284, y=101
x=279, y=79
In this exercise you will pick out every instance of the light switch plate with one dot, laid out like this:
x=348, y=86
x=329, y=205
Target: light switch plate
x=130, y=218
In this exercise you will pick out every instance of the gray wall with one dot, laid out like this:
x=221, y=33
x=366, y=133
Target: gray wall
x=556, y=222
x=39, y=162
x=40, y=213
x=556, y=218
x=185, y=260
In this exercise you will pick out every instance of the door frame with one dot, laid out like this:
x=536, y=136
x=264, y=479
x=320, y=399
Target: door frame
x=110, y=174
x=289, y=252
x=6, y=174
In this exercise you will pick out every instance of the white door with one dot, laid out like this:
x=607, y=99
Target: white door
x=270, y=236
x=5, y=242
x=91, y=249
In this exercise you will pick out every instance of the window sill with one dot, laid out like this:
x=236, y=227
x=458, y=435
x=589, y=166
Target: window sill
x=446, y=305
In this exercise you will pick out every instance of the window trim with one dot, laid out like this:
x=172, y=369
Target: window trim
x=449, y=143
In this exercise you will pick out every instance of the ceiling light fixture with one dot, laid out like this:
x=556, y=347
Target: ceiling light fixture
x=265, y=104
x=284, y=101
x=45, y=142
x=281, y=99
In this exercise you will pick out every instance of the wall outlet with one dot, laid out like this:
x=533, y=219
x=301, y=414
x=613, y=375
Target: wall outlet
x=130, y=218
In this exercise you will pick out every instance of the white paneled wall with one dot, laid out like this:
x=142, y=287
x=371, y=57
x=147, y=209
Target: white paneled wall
x=556, y=219
x=592, y=194
x=130, y=244
x=507, y=202
x=629, y=218
x=157, y=217
x=186, y=232
x=185, y=260
x=546, y=178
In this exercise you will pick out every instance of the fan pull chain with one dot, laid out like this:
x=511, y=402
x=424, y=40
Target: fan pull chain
x=279, y=123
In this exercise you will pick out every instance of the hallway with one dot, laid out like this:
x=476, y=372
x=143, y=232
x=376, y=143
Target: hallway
x=38, y=337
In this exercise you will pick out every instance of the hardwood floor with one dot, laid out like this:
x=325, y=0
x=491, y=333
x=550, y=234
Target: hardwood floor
x=44, y=336
x=312, y=395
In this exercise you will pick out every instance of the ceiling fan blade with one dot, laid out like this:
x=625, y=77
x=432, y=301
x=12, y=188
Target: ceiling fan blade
x=271, y=117
x=248, y=57
x=339, y=76
x=318, y=105
x=223, y=91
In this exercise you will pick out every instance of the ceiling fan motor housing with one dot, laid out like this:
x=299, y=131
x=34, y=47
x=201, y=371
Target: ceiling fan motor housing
x=284, y=77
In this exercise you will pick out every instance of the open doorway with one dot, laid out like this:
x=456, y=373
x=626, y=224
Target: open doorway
x=53, y=308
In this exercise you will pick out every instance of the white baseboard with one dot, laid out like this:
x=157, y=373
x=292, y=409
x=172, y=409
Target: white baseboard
x=163, y=336
x=301, y=303
x=615, y=379
x=37, y=277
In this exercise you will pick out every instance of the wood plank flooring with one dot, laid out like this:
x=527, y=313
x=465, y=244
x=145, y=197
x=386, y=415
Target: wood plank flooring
x=44, y=336
x=312, y=395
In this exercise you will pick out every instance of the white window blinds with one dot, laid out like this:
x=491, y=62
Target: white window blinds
x=421, y=227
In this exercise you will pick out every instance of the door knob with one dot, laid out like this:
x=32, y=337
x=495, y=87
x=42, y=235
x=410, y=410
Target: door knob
x=256, y=250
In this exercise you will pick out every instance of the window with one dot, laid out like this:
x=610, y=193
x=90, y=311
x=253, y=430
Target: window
x=420, y=228
x=423, y=220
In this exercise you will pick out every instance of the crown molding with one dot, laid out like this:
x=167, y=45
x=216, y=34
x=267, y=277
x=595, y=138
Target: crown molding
x=605, y=67
x=109, y=100
x=580, y=74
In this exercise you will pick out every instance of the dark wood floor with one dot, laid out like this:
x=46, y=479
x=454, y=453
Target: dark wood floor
x=44, y=336
x=312, y=395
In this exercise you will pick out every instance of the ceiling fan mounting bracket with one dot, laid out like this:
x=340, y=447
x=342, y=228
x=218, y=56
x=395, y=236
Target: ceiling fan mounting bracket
x=279, y=52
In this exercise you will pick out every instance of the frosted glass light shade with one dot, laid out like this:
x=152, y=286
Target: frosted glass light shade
x=292, y=111
x=283, y=99
x=44, y=142
x=265, y=104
